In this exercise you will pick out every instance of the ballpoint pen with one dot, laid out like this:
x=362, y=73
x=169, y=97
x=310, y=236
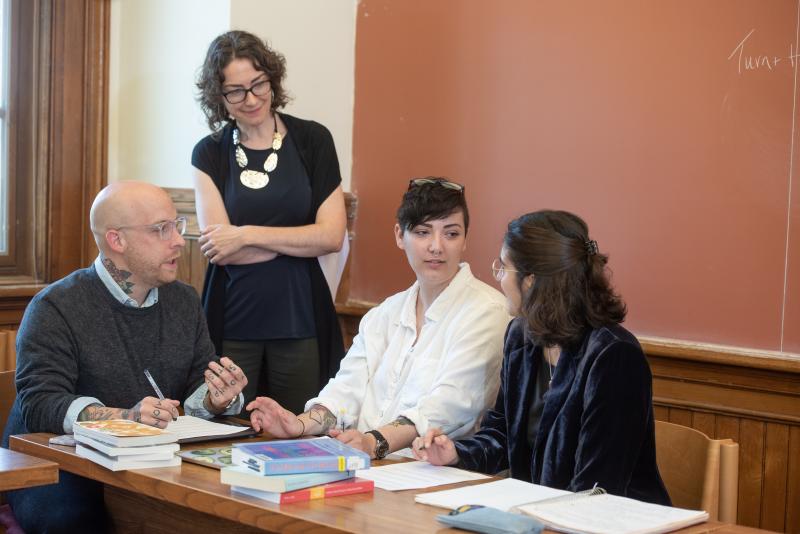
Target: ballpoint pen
x=155, y=386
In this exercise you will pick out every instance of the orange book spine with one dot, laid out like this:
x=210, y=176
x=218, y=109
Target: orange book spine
x=335, y=489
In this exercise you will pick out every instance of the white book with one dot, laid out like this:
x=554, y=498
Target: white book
x=123, y=463
x=165, y=451
x=123, y=433
x=609, y=514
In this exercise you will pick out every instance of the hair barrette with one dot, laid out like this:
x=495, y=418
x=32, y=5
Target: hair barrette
x=591, y=247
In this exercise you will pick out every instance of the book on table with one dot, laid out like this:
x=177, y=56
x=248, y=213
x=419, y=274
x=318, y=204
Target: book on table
x=164, y=450
x=247, y=478
x=335, y=489
x=597, y=512
x=123, y=433
x=122, y=463
x=299, y=456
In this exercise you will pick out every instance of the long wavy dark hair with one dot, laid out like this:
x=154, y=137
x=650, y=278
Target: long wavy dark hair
x=571, y=291
x=224, y=49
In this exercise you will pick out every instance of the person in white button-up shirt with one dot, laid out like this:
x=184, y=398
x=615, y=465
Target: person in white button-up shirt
x=426, y=357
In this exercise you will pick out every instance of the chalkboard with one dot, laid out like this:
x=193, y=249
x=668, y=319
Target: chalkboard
x=669, y=126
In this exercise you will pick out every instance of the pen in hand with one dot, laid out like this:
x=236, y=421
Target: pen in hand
x=155, y=386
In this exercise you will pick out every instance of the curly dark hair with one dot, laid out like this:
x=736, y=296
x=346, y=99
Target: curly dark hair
x=224, y=49
x=571, y=291
x=431, y=201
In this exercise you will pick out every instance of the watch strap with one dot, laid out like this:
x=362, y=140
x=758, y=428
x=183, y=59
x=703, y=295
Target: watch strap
x=381, y=444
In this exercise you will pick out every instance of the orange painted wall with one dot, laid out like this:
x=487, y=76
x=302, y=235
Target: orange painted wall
x=630, y=114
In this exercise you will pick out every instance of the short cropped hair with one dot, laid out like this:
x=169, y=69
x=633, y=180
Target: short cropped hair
x=224, y=49
x=430, y=200
x=571, y=291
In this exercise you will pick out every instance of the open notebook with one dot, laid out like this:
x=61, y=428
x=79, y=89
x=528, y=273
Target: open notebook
x=596, y=512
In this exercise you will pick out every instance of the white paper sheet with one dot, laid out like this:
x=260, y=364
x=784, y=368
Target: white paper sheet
x=502, y=494
x=415, y=475
x=188, y=427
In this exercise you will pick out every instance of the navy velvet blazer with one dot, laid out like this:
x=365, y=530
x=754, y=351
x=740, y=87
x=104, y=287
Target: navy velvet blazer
x=597, y=424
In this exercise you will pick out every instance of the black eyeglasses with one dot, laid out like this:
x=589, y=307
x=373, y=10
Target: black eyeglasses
x=417, y=182
x=237, y=96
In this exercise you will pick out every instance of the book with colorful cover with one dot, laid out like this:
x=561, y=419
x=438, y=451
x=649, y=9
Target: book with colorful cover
x=313, y=455
x=247, y=478
x=335, y=489
x=213, y=457
x=123, y=433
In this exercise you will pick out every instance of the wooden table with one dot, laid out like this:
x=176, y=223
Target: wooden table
x=19, y=470
x=191, y=498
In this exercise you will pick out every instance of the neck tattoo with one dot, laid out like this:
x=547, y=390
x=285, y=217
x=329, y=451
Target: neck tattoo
x=119, y=276
x=257, y=179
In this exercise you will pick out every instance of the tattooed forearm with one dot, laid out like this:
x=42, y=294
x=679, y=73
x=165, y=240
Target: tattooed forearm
x=322, y=416
x=95, y=412
x=119, y=276
x=402, y=421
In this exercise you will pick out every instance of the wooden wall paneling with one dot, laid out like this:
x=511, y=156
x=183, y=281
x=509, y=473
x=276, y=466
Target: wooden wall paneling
x=661, y=413
x=198, y=263
x=726, y=427
x=793, y=482
x=776, y=464
x=751, y=474
x=705, y=423
x=680, y=416
x=78, y=129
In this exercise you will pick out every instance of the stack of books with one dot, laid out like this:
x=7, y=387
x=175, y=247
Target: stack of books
x=296, y=470
x=120, y=444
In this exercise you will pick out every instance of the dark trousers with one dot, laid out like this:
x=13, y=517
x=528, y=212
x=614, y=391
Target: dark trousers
x=286, y=370
x=75, y=504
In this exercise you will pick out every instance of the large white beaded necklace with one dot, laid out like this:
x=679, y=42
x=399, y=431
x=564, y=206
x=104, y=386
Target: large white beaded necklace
x=257, y=179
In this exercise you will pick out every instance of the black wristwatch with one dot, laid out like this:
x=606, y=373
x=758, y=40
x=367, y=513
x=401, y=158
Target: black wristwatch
x=381, y=445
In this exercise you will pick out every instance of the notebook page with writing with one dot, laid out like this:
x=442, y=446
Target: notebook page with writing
x=501, y=494
x=610, y=514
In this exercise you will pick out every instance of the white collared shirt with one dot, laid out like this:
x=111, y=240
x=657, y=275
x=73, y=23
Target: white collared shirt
x=446, y=380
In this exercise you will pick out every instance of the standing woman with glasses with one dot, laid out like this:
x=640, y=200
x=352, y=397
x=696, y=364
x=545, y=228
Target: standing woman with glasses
x=575, y=406
x=269, y=202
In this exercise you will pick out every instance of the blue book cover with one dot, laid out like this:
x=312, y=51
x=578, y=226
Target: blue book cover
x=245, y=477
x=314, y=455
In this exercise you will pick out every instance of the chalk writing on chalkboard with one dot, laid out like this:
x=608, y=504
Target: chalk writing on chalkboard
x=746, y=61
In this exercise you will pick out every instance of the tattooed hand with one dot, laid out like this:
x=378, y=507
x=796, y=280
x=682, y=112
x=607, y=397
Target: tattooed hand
x=150, y=411
x=269, y=416
x=225, y=381
x=153, y=411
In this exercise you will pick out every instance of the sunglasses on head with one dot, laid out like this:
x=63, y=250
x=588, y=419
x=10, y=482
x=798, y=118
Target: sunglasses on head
x=417, y=182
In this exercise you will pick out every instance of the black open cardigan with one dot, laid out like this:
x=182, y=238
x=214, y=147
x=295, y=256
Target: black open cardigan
x=318, y=154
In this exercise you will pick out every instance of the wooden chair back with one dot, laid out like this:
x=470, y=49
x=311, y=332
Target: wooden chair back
x=8, y=392
x=700, y=473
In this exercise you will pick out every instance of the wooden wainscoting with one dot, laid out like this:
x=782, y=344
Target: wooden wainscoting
x=751, y=397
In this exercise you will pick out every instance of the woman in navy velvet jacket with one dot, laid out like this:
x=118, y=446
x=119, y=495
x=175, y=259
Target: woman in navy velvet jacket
x=575, y=404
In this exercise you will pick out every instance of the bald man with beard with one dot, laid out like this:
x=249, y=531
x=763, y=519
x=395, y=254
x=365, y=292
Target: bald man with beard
x=86, y=340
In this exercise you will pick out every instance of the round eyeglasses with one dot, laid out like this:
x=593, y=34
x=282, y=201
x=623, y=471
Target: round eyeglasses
x=499, y=270
x=237, y=96
x=164, y=228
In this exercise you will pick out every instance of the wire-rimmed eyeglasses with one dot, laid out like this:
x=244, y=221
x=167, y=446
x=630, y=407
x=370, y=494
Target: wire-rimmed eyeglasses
x=499, y=270
x=237, y=96
x=164, y=228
